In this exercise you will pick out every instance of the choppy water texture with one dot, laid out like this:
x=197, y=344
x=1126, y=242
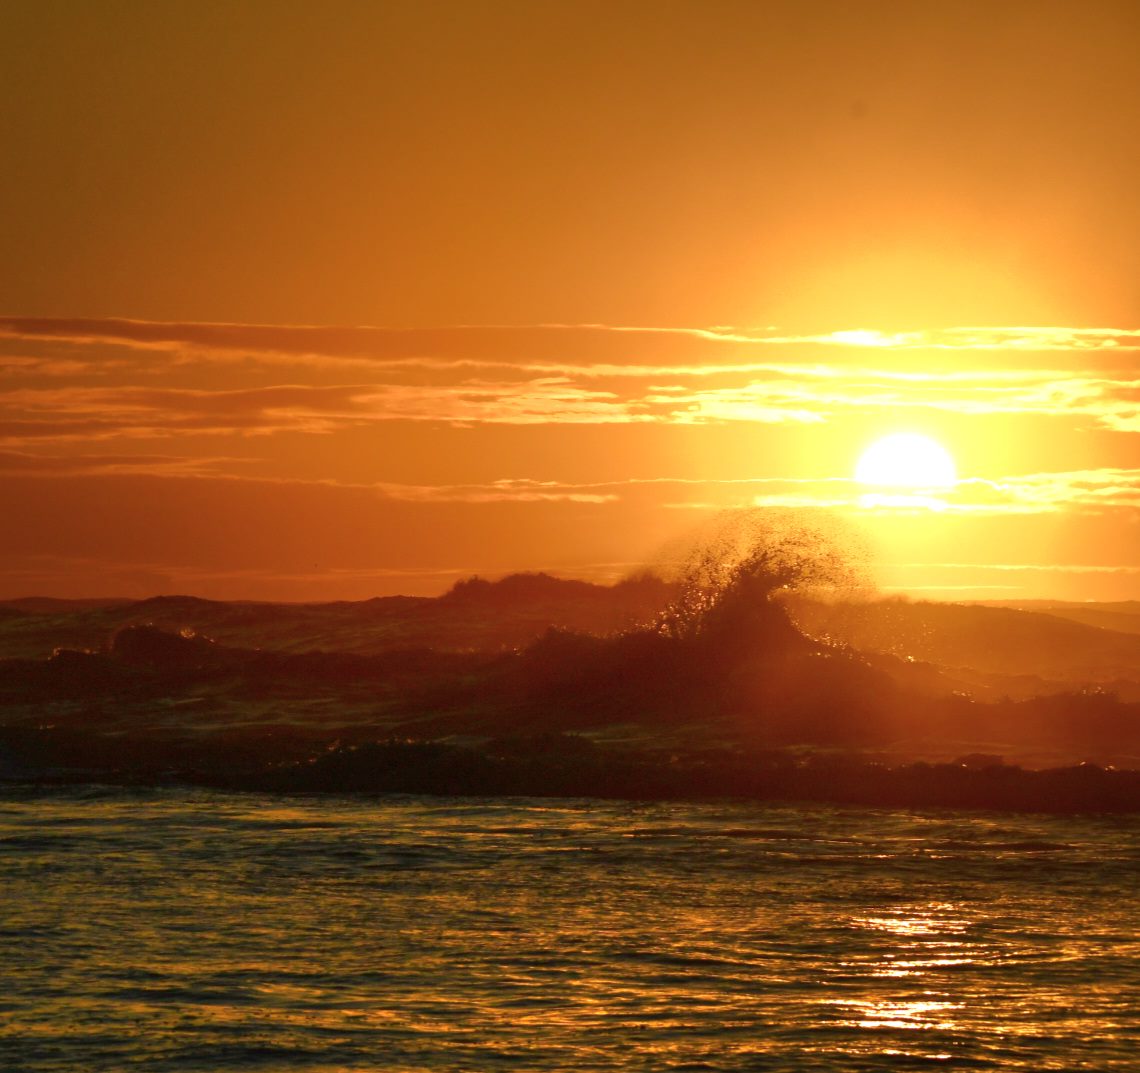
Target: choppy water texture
x=186, y=930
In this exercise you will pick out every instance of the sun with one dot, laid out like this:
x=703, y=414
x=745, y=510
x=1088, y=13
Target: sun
x=906, y=461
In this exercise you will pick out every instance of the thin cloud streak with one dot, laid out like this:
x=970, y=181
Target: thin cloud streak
x=496, y=375
x=1096, y=490
x=1022, y=568
x=1087, y=491
x=133, y=410
x=24, y=463
x=529, y=490
x=1083, y=491
x=477, y=339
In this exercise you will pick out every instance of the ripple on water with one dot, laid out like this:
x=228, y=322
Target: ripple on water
x=189, y=931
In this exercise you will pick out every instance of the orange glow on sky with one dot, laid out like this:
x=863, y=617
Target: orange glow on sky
x=624, y=265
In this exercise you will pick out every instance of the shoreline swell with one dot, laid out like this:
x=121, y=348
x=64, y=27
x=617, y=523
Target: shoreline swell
x=565, y=766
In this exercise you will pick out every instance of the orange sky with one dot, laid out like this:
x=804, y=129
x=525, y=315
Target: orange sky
x=627, y=263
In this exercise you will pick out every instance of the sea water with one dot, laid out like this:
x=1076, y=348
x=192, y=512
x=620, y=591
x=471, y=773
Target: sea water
x=179, y=930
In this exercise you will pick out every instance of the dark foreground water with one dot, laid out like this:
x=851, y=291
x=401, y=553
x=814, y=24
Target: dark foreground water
x=188, y=930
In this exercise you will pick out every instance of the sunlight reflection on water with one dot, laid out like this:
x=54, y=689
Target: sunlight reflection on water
x=189, y=931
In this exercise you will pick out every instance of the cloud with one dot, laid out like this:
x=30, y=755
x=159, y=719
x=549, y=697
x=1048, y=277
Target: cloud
x=1088, y=491
x=23, y=463
x=85, y=413
x=1039, y=338
x=168, y=379
x=1028, y=581
x=738, y=490
x=813, y=397
x=732, y=491
x=494, y=492
x=1026, y=568
x=24, y=365
x=470, y=342
x=578, y=342
x=223, y=534
x=816, y=394
x=1084, y=491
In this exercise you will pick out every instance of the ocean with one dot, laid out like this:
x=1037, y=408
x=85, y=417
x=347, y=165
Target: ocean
x=188, y=930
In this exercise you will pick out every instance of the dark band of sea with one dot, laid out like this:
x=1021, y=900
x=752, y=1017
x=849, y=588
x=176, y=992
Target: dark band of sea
x=172, y=930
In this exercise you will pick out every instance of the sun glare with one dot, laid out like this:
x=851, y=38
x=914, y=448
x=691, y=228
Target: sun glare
x=908, y=462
